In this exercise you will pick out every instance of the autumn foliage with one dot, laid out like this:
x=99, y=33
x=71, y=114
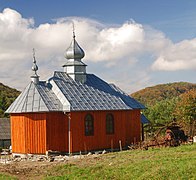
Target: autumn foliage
x=185, y=110
x=7, y=96
x=167, y=102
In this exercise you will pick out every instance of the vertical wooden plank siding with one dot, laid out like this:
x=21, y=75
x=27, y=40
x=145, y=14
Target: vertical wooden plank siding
x=35, y=133
x=57, y=131
x=126, y=130
x=17, y=133
x=28, y=133
x=38, y=132
x=133, y=129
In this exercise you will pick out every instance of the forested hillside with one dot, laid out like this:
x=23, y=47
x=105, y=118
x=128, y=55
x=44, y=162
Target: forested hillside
x=7, y=96
x=151, y=95
x=167, y=102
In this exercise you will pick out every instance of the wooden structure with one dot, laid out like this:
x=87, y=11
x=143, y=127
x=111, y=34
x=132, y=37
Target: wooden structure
x=5, y=137
x=73, y=111
x=38, y=133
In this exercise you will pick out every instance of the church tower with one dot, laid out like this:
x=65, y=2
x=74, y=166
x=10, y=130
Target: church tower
x=74, y=67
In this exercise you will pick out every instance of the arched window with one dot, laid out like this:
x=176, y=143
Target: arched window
x=109, y=124
x=89, y=125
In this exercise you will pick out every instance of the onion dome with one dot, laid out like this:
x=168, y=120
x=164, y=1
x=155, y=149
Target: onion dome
x=34, y=77
x=74, y=51
x=74, y=67
x=34, y=67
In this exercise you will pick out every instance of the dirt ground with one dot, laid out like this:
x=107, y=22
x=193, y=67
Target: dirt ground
x=27, y=169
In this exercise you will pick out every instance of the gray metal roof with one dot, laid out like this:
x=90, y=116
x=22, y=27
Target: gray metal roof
x=36, y=98
x=62, y=93
x=5, y=132
x=94, y=94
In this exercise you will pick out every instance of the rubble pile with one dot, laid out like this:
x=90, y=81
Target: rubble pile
x=7, y=158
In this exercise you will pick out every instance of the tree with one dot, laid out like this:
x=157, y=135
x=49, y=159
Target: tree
x=161, y=113
x=186, y=110
x=3, y=105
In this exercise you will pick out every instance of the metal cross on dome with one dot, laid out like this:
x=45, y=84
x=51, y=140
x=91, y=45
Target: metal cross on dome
x=73, y=26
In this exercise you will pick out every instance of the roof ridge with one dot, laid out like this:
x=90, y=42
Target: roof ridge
x=26, y=98
x=35, y=85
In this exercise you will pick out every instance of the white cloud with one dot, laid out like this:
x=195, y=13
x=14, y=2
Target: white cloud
x=118, y=48
x=179, y=56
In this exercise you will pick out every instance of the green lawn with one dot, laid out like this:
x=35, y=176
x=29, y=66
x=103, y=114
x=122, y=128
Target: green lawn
x=165, y=163
x=174, y=163
x=6, y=177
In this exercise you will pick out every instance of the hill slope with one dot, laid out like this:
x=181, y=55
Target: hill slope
x=167, y=102
x=150, y=95
x=157, y=163
x=7, y=96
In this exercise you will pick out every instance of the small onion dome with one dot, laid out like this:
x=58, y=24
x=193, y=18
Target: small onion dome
x=74, y=51
x=34, y=77
x=34, y=67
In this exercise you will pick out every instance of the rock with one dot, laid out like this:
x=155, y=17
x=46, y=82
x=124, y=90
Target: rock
x=16, y=156
x=89, y=154
x=4, y=153
x=51, y=159
x=17, y=159
x=66, y=157
x=104, y=151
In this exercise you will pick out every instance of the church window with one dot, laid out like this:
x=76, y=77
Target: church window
x=89, y=125
x=109, y=124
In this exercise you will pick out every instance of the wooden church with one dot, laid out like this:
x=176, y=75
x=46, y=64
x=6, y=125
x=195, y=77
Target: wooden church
x=73, y=111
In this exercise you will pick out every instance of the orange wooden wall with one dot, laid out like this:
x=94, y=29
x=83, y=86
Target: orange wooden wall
x=38, y=132
x=28, y=133
x=18, y=133
x=57, y=131
x=133, y=127
x=126, y=130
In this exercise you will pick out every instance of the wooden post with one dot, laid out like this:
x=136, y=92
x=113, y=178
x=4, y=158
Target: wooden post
x=85, y=149
x=69, y=133
x=120, y=144
x=80, y=155
x=142, y=132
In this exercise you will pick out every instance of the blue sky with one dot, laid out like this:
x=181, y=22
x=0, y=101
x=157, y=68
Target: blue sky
x=176, y=18
x=164, y=28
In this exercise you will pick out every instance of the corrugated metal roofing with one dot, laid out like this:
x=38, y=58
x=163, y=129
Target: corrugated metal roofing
x=95, y=94
x=62, y=93
x=36, y=98
x=5, y=132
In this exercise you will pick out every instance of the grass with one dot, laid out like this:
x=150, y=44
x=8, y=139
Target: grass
x=6, y=177
x=177, y=163
x=165, y=163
